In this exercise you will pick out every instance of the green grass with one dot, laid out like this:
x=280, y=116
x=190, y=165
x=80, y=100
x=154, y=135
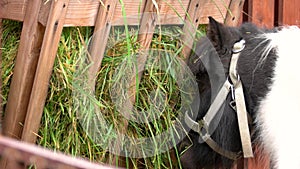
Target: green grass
x=10, y=37
x=62, y=128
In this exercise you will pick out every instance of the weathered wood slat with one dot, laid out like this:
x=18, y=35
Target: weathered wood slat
x=234, y=12
x=214, y=8
x=168, y=14
x=44, y=69
x=198, y=12
x=147, y=24
x=289, y=12
x=191, y=25
x=22, y=80
x=147, y=27
x=84, y=12
x=100, y=37
x=23, y=153
x=24, y=71
x=13, y=9
x=262, y=12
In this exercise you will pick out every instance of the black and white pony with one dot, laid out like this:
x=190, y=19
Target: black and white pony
x=269, y=69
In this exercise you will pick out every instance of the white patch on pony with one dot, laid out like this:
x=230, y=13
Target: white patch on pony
x=279, y=112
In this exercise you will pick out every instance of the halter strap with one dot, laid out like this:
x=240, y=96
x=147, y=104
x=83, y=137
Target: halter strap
x=236, y=88
x=240, y=100
x=202, y=126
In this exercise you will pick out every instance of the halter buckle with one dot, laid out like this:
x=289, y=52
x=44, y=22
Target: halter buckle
x=203, y=131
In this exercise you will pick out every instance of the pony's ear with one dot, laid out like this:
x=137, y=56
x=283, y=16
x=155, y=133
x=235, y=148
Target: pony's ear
x=216, y=33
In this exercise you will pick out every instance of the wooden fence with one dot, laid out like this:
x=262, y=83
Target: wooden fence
x=20, y=155
x=270, y=13
x=43, y=24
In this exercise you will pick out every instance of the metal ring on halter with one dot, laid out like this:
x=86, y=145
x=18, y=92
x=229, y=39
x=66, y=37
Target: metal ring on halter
x=203, y=131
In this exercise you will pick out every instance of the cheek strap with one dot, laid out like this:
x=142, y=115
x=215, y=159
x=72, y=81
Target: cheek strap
x=234, y=86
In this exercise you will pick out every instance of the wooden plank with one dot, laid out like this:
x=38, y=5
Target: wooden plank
x=22, y=80
x=99, y=41
x=174, y=14
x=44, y=13
x=44, y=69
x=80, y=13
x=100, y=37
x=13, y=9
x=262, y=12
x=195, y=10
x=215, y=8
x=234, y=12
x=24, y=71
x=84, y=12
x=147, y=27
x=289, y=12
x=20, y=152
x=198, y=12
x=171, y=12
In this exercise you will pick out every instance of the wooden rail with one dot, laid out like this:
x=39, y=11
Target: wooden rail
x=21, y=154
x=84, y=12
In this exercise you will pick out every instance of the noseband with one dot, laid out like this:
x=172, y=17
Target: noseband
x=234, y=86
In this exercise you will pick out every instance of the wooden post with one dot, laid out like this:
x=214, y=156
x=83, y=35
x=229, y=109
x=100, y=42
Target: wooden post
x=195, y=9
x=23, y=153
x=25, y=66
x=289, y=12
x=100, y=37
x=147, y=26
x=234, y=12
x=262, y=12
x=98, y=44
x=44, y=69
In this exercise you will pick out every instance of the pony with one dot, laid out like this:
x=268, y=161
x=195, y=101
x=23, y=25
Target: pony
x=268, y=69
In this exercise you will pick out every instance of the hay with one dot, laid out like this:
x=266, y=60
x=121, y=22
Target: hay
x=61, y=129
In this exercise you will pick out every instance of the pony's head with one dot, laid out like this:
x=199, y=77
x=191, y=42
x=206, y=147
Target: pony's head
x=210, y=64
